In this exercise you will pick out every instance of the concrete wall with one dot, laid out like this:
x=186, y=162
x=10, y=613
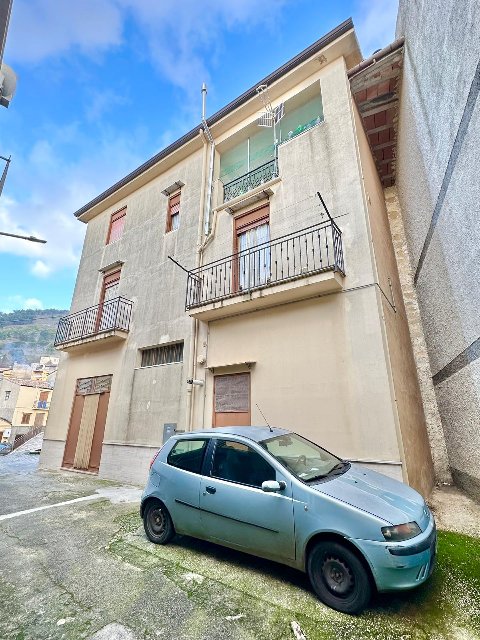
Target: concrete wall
x=141, y=400
x=439, y=191
x=410, y=419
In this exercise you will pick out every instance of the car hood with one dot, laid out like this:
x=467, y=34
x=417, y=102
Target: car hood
x=388, y=499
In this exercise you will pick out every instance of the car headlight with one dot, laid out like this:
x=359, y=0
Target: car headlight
x=401, y=532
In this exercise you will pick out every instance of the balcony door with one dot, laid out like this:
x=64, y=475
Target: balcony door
x=108, y=307
x=252, y=243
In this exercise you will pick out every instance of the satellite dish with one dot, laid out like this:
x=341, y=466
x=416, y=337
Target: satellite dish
x=8, y=84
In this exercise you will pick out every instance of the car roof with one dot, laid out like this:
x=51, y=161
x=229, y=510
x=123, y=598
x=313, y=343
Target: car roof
x=257, y=434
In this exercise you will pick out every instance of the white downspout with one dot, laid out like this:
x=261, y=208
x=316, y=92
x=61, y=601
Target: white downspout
x=208, y=200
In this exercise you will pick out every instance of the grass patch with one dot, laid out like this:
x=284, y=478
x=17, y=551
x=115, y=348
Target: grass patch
x=268, y=596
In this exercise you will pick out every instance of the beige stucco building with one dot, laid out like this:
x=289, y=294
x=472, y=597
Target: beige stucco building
x=287, y=310
x=24, y=405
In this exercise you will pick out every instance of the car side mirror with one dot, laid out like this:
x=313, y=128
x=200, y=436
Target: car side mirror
x=270, y=486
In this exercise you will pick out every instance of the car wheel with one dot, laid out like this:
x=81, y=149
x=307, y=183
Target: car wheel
x=338, y=577
x=158, y=523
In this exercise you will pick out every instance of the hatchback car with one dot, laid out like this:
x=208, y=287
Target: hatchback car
x=274, y=494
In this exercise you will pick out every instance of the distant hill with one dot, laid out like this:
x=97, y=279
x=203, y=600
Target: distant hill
x=27, y=334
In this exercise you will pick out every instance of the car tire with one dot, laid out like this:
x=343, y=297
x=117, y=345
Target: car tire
x=339, y=577
x=157, y=523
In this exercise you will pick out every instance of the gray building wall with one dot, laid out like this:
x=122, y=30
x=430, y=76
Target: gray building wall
x=439, y=192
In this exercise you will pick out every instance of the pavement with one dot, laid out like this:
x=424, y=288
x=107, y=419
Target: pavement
x=75, y=563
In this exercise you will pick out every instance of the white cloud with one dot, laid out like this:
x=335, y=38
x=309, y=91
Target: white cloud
x=49, y=187
x=375, y=22
x=41, y=269
x=19, y=302
x=40, y=29
x=32, y=303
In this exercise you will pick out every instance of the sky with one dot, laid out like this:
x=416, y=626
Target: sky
x=103, y=85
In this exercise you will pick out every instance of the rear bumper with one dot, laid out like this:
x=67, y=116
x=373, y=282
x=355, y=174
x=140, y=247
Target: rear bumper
x=403, y=565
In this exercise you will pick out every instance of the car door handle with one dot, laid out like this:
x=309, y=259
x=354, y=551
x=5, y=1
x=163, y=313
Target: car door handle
x=210, y=489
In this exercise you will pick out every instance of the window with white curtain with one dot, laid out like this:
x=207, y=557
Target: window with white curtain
x=254, y=258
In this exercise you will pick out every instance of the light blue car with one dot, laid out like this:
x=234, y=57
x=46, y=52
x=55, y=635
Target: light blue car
x=274, y=494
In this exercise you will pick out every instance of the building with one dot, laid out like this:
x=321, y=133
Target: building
x=438, y=195
x=291, y=307
x=24, y=406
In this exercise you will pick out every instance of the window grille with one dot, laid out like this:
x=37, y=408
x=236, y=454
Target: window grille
x=166, y=354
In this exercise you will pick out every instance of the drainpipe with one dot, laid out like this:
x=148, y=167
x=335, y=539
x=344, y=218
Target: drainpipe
x=208, y=201
x=204, y=222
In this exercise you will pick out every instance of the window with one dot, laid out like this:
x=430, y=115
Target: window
x=166, y=354
x=188, y=455
x=173, y=213
x=252, y=232
x=237, y=462
x=7, y=394
x=117, y=222
x=26, y=418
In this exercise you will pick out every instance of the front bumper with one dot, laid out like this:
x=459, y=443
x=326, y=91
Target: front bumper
x=402, y=565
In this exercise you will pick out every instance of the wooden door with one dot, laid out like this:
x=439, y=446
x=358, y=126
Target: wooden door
x=83, y=448
x=231, y=400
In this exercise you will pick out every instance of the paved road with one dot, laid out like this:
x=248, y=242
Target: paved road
x=75, y=563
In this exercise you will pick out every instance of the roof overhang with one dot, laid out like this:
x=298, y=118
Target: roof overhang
x=341, y=41
x=375, y=85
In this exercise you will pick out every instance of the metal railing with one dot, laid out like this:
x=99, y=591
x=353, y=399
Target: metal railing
x=296, y=255
x=250, y=180
x=110, y=315
x=26, y=437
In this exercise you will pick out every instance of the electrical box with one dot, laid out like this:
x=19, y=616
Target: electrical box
x=169, y=429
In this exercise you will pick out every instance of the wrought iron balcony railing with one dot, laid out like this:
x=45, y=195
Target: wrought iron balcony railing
x=296, y=255
x=108, y=316
x=250, y=180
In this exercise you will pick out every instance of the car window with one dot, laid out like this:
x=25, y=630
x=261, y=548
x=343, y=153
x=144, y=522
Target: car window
x=188, y=455
x=304, y=459
x=237, y=462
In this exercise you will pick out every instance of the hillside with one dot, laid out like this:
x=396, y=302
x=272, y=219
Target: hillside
x=25, y=335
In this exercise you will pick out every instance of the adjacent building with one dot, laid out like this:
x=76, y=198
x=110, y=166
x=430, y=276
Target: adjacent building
x=24, y=407
x=438, y=195
x=282, y=299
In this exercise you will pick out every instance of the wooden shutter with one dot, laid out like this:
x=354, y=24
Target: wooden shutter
x=117, y=222
x=231, y=400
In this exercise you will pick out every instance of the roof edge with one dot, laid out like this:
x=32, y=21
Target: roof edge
x=325, y=40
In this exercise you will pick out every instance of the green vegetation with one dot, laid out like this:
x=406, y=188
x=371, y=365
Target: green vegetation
x=27, y=334
x=262, y=598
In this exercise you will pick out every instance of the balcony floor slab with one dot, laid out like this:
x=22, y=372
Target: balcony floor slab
x=95, y=340
x=270, y=295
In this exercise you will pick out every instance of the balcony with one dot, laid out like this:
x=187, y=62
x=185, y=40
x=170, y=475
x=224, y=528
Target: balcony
x=109, y=321
x=41, y=404
x=296, y=266
x=250, y=180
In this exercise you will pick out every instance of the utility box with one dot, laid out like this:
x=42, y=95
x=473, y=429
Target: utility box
x=169, y=429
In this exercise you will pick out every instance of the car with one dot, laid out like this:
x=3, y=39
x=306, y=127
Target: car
x=272, y=493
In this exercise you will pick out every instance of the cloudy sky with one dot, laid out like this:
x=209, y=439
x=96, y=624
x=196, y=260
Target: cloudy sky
x=105, y=84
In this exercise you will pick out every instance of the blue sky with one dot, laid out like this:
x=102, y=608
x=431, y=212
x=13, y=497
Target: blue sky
x=105, y=84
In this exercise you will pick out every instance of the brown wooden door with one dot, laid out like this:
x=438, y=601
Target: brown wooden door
x=83, y=448
x=231, y=400
x=73, y=429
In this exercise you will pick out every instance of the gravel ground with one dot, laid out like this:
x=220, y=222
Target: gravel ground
x=86, y=570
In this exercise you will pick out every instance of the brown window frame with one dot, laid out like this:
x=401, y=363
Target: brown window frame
x=26, y=418
x=244, y=222
x=116, y=215
x=174, y=199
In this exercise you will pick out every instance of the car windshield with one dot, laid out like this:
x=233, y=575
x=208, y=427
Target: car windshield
x=306, y=460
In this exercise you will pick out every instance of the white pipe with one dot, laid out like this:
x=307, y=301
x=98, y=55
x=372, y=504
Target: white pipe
x=208, y=202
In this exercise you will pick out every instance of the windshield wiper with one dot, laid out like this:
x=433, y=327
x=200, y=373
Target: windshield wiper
x=338, y=467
